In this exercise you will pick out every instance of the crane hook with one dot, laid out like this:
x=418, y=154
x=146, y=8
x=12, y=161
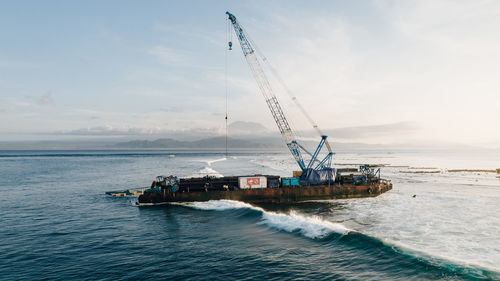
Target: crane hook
x=230, y=45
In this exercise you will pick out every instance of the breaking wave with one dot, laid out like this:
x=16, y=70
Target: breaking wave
x=317, y=228
x=309, y=226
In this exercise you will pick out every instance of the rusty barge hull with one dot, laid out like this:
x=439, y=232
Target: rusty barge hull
x=271, y=195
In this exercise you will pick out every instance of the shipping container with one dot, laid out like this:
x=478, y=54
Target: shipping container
x=273, y=183
x=290, y=181
x=252, y=182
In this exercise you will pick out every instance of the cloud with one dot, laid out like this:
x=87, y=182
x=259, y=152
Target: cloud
x=375, y=130
x=235, y=128
x=175, y=109
x=111, y=131
x=46, y=99
x=169, y=55
x=108, y=130
x=245, y=128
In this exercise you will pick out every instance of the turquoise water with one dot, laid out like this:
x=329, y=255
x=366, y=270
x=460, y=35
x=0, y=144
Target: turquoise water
x=57, y=223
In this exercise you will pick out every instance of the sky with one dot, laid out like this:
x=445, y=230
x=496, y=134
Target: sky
x=396, y=71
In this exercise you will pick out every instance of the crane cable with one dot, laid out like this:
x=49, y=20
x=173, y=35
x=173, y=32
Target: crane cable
x=228, y=39
x=290, y=94
x=295, y=132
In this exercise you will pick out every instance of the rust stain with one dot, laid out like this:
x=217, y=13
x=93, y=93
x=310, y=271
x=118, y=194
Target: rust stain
x=272, y=195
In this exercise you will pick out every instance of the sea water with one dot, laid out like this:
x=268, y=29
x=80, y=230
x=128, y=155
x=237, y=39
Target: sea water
x=57, y=223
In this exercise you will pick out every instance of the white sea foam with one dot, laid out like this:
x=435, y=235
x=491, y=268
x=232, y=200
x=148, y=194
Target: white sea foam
x=309, y=226
x=210, y=162
x=207, y=170
x=220, y=205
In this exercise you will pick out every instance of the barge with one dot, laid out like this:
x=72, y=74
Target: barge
x=347, y=183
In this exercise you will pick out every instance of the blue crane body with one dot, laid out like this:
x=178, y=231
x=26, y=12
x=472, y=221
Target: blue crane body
x=279, y=116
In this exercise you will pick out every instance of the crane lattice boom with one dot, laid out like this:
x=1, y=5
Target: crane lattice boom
x=274, y=106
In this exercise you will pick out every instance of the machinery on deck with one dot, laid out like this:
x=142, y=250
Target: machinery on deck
x=312, y=169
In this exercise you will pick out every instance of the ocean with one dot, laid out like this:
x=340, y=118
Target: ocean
x=57, y=223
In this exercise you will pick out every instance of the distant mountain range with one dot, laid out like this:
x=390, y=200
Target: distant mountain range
x=215, y=142
x=244, y=135
x=244, y=128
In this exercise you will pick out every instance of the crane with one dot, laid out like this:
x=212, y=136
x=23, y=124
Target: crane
x=288, y=135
